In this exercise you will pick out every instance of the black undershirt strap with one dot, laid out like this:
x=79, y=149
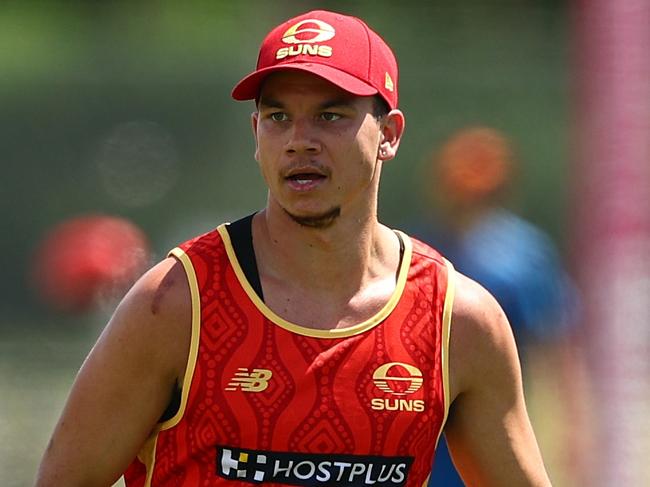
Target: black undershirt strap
x=401, y=255
x=241, y=236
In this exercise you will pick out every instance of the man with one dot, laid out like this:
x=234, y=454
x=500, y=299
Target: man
x=307, y=344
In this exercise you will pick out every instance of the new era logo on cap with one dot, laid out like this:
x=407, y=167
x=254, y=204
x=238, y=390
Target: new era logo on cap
x=340, y=48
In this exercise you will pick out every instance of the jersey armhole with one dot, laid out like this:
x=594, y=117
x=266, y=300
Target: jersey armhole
x=186, y=262
x=147, y=454
x=444, y=347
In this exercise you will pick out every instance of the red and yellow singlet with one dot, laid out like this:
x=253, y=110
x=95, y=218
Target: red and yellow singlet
x=265, y=401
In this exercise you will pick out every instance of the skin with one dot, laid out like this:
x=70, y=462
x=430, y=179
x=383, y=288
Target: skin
x=321, y=152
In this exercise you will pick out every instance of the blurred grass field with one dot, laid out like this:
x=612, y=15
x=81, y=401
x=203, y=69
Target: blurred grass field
x=38, y=364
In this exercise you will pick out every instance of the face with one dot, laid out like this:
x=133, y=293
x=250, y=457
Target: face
x=319, y=148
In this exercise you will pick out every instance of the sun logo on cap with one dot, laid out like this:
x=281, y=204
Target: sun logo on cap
x=297, y=34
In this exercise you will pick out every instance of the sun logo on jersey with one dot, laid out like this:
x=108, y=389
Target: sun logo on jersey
x=257, y=380
x=400, y=385
x=397, y=379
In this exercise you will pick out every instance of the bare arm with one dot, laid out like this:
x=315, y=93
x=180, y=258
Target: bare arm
x=488, y=432
x=124, y=385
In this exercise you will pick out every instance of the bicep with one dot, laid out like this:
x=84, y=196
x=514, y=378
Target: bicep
x=118, y=396
x=488, y=430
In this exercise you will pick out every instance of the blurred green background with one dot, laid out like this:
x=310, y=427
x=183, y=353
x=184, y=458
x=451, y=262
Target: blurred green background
x=123, y=108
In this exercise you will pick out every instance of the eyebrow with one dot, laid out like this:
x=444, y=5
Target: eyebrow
x=270, y=103
x=342, y=102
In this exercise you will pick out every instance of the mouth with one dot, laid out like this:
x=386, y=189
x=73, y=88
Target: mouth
x=305, y=179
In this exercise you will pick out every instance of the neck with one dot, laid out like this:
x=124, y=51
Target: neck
x=329, y=277
x=342, y=255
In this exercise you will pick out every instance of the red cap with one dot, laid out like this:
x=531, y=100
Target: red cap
x=339, y=48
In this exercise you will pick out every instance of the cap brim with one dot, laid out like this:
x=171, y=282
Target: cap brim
x=249, y=87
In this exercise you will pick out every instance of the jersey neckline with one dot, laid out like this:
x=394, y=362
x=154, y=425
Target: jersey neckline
x=371, y=322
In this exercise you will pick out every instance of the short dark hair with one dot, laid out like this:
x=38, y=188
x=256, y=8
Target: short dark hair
x=380, y=107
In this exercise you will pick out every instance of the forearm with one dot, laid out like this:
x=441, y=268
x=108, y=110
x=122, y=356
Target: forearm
x=74, y=459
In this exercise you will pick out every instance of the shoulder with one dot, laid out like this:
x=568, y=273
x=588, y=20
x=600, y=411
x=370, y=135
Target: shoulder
x=481, y=338
x=162, y=293
x=474, y=306
x=155, y=316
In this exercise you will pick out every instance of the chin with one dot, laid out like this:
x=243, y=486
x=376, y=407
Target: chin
x=318, y=220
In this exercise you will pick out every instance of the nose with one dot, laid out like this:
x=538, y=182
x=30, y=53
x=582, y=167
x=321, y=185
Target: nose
x=302, y=138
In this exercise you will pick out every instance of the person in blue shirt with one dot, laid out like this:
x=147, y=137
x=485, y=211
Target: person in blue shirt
x=513, y=259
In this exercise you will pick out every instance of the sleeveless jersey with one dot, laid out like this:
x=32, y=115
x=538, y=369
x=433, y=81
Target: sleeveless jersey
x=265, y=401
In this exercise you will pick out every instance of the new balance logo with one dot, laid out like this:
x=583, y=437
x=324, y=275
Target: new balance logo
x=257, y=380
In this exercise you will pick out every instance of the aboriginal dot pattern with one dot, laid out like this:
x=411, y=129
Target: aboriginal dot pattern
x=298, y=393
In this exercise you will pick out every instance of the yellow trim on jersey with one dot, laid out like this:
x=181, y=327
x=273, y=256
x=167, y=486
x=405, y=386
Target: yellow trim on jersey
x=147, y=454
x=311, y=332
x=194, y=342
x=148, y=457
x=446, y=330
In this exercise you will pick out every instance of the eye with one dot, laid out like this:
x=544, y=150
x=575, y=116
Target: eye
x=279, y=117
x=330, y=116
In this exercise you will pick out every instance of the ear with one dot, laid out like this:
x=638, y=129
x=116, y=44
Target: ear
x=392, y=128
x=254, y=119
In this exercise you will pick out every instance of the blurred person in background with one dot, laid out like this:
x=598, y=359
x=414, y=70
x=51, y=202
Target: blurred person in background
x=470, y=178
x=306, y=343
